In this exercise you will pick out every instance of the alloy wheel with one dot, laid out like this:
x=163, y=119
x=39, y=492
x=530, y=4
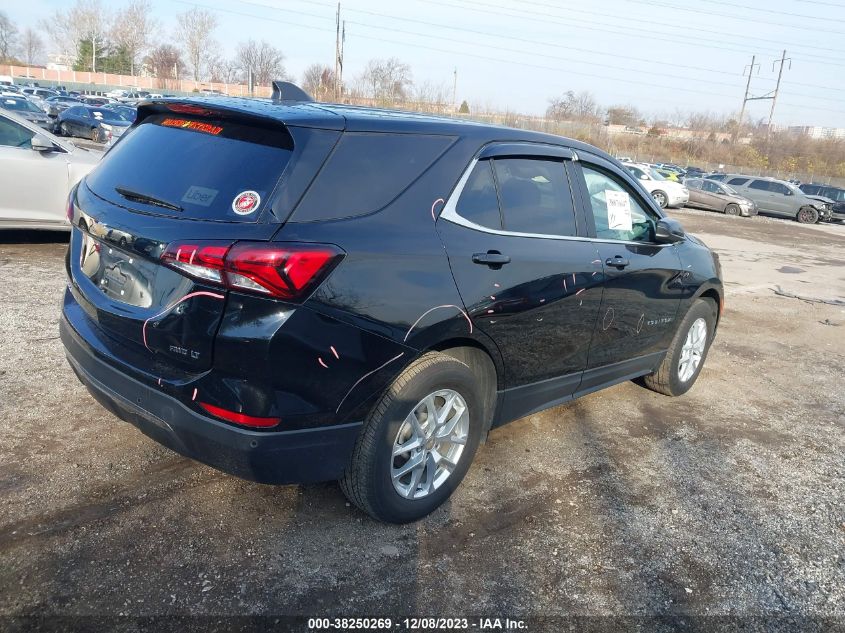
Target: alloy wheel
x=429, y=444
x=660, y=198
x=693, y=350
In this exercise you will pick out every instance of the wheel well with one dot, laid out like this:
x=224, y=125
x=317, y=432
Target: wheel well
x=479, y=361
x=713, y=296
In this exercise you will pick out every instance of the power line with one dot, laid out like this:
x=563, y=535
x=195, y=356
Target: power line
x=545, y=19
x=468, y=54
x=775, y=12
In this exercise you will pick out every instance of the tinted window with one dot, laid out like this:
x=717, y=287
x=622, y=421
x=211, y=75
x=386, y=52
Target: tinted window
x=367, y=171
x=14, y=135
x=694, y=183
x=535, y=196
x=811, y=189
x=19, y=105
x=478, y=202
x=762, y=185
x=712, y=187
x=776, y=187
x=643, y=220
x=200, y=165
x=737, y=181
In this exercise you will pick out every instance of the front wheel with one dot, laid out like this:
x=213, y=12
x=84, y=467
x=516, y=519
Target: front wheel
x=687, y=353
x=807, y=215
x=732, y=209
x=418, y=442
x=661, y=198
x=63, y=129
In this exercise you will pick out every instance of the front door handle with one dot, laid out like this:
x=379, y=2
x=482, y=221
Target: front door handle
x=618, y=262
x=493, y=259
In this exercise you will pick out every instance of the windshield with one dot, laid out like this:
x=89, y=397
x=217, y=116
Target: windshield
x=729, y=189
x=20, y=105
x=213, y=169
x=655, y=174
x=793, y=188
x=109, y=116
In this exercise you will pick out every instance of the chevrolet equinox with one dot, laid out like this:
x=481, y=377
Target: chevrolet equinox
x=296, y=292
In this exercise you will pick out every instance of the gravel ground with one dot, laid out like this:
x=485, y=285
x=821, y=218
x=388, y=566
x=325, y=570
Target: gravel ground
x=728, y=501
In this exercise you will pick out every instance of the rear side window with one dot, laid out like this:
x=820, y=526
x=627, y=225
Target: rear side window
x=367, y=171
x=215, y=170
x=535, y=196
x=478, y=202
x=740, y=181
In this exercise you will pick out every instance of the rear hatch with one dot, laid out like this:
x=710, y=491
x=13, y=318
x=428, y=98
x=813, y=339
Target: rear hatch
x=156, y=219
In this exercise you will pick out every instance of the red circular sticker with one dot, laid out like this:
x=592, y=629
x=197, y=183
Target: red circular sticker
x=246, y=202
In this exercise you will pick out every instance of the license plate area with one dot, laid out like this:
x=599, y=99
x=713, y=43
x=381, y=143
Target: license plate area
x=119, y=275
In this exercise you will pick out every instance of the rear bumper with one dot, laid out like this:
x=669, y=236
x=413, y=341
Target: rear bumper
x=281, y=457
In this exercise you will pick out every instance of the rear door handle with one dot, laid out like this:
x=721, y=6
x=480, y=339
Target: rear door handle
x=493, y=259
x=617, y=262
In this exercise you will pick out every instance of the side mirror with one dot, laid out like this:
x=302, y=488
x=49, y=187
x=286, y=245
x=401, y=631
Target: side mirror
x=669, y=231
x=41, y=144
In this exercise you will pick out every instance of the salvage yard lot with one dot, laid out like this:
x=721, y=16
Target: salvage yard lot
x=728, y=500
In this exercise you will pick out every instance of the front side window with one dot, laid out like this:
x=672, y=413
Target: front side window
x=618, y=213
x=14, y=135
x=776, y=187
x=535, y=196
x=712, y=187
x=762, y=185
x=695, y=183
x=478, y=202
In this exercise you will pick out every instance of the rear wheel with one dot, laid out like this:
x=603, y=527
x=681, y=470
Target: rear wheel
x=418, y=441
x=807, y=215
x=661, y=198
x=732, y=209
x=63, y=129
x=95, y=134
x=687, y=353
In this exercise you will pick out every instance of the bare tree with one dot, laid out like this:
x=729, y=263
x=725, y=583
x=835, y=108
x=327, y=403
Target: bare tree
x=318, y=81
x=86, y=21
x=31, y=46
x=165, y=62
x=131, y=30
x=574, y=106
x=387, y=80
x=195, y=28
x=8, y=36
x=222, y=70
x=264, y=60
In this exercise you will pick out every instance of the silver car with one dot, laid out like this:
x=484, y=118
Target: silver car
x=780, y=198
x=37, y=172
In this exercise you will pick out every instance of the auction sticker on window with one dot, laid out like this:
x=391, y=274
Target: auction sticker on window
x=247, y=202
x=618, y=210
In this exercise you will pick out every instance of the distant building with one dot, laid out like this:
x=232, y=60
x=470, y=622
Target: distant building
x=818, y=132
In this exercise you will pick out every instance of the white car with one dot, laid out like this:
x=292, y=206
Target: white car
x=37, y=172
x=666, y=193
x=117, y=93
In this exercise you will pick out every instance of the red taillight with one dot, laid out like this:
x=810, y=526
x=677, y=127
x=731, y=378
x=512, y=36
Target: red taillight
x=240, y=418
x=285, y=271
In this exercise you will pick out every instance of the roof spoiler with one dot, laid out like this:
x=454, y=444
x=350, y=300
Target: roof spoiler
x=287, y=91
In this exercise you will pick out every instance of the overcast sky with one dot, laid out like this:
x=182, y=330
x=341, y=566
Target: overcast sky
x=658, y=55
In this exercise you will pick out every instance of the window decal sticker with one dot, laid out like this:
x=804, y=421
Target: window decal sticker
x=197, y=126
x=246, y=202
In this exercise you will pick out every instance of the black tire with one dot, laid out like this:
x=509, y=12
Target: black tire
x=95, y=134
x=63, y=130
x=807, y=215
x=732, y=209
x=666, y=379
x=661, y=198
x=367, y=481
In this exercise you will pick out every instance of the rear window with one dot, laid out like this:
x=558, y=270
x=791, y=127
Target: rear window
x=367, y=171
x=215, y=170
x=739, y=181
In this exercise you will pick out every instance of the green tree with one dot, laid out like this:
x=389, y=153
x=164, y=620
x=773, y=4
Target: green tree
x=464, y=109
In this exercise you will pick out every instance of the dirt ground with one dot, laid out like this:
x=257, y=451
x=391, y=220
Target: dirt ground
x=728, y=501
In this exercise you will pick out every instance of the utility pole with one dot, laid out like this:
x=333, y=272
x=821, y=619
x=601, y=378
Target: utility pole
x=745, y=98
x=783, y=60
x=455, y=90
x=337, y=55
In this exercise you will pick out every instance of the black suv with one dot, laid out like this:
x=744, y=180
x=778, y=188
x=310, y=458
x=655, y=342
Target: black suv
x=296, y=292
x=837, y=194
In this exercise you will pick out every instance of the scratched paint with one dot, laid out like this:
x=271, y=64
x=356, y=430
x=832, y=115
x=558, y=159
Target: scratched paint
x=201, y=293
x=640, y=323
x=448, y=305
x=608, y=318
x=434, y=204
x=364, y=377
x=334, y=351
x=322, y=363
x=194, y=397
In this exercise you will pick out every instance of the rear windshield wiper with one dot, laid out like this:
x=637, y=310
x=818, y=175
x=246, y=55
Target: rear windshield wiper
x=142, y=197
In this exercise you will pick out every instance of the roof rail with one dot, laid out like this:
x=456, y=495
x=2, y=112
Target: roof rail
x=287, y=91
